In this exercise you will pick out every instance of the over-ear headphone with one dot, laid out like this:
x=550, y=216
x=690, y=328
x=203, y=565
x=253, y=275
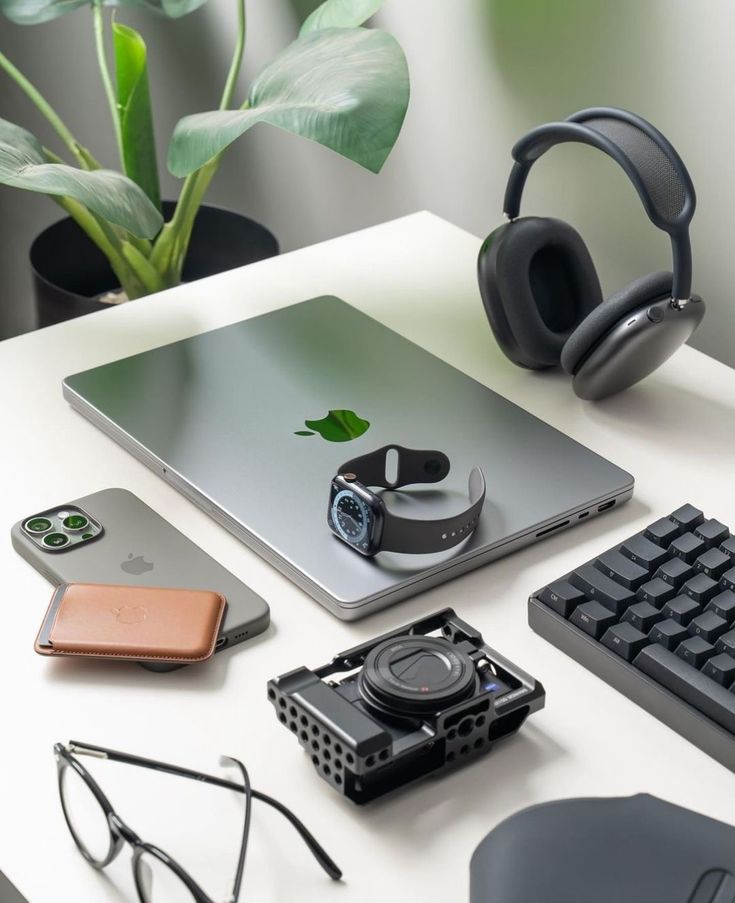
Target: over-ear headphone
x=539, y=285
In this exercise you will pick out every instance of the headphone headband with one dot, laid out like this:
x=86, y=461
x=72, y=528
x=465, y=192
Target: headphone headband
x=647, y=157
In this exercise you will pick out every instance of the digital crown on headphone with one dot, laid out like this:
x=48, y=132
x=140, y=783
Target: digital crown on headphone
x=539, y=286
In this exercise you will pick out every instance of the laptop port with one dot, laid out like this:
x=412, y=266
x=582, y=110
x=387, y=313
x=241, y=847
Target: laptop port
x=606, y=505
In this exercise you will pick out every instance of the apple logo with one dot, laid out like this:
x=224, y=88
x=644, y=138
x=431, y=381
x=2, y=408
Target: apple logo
x=338, y=426
x=128, y=614
x=136, y=565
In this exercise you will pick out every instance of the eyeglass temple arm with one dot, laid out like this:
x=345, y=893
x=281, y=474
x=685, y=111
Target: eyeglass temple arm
x=317, y=851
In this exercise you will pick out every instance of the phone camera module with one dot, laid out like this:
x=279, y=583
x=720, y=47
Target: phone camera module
x=75, y=523
x=37, y=525
x=55, y=540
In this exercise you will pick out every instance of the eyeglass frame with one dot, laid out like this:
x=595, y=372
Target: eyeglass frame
x=121, y=833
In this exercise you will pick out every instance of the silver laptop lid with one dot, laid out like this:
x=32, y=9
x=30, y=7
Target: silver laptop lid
x=239, y=419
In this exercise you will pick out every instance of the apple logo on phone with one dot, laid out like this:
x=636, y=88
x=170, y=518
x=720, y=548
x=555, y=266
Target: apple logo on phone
x=136, y=565
x=129, y=614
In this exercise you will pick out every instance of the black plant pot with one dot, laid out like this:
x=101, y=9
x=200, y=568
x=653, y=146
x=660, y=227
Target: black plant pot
x=70, y=272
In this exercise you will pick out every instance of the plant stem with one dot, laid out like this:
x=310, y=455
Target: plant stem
x=236, y=63
x=99, y=40
x=85, y=159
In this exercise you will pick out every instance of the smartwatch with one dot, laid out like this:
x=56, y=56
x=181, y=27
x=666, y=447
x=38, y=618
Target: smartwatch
x=358, y=516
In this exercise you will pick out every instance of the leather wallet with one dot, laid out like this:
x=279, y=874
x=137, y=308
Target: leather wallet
x=136, y=623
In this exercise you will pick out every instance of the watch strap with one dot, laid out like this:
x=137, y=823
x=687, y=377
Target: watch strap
x=414, y=466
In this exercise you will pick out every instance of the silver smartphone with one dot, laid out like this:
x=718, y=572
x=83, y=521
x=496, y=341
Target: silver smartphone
x=113, y=537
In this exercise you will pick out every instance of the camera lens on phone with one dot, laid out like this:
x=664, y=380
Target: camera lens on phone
x=75, y=522
x=37, y=525
x=410, y=675
x=55, y=540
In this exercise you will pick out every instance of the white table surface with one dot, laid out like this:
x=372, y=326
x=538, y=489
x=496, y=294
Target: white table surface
x=417, y=275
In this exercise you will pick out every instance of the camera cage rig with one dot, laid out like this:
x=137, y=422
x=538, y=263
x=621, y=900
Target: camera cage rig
x=364, y=754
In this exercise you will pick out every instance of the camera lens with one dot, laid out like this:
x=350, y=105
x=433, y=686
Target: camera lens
x=55, y=540
x=37, y=525
x=75, y=522
x=412, y=675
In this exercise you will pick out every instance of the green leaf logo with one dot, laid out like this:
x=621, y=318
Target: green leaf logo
x=337, y=426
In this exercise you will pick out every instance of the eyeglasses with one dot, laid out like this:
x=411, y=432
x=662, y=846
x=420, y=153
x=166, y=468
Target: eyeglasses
x=100, y=833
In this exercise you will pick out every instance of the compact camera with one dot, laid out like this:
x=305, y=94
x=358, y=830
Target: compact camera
x=426, y=697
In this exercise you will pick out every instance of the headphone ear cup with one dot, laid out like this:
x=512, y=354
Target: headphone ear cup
x=649, y=288
x=537, y=282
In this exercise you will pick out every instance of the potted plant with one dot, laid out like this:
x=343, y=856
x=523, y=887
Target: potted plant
x=339, y=84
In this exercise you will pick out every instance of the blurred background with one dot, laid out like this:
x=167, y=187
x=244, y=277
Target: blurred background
x=482, y=71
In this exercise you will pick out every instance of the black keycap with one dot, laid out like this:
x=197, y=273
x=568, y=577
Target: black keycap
x=681, y=609
x=663, y=532
x=708, y=625
x=621, y=569
x=720, y=668
x=700, y=588
x=675, y=571
x=643, y=616
x=713, y=563
x=596, y=585
x=688, y=517
x=695, y=650
x=593, y=618
x=723, y=604
x=668, y=633
x=644, y=552
x=727, y=581
x=562, y=597
x=684, y=681
x=726, y=643
x=625, y=640
x=728, y=547
x=687, y=547
x=713, y=532
x=656, y=592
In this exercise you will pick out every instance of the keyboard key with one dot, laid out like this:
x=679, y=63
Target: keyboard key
x=596, y=585
x=713, y=563
x=656, y=592
x=723, y=604
x=726, y=643
x=675, y=572
x=643, y=616
x=621, y=569
x=700, y=691
x=562, y=597
x=644, y=552
x=708, y=625
x=687, y=517
x=700, y=588
x=668, y=633
x=727, y=581
x=695, y=651
x=688, y=547
x=625, y=640
x=681, y=609
x=593, y=618
x=728, y=547
x=663, y=532
x=720, y=668
x=712, y=532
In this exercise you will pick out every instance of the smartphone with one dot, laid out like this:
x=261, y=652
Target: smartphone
x=113, y=537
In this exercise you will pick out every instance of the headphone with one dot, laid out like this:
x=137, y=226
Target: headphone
x=541, y=292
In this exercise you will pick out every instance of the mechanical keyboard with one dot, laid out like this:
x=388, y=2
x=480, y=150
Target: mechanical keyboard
x=655, y=618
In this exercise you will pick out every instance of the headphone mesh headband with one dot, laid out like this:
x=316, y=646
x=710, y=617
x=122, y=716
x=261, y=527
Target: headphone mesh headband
x=662, y=182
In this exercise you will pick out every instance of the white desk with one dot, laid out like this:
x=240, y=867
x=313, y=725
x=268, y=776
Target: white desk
x=674, y=433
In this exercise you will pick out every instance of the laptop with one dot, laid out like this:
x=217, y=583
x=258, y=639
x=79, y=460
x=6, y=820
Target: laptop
x=238, y=420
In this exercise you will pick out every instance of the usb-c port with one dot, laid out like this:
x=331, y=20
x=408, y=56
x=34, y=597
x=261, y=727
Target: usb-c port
x=606, y=505
x=222, y=641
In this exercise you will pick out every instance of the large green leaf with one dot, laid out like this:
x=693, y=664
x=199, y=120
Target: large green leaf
x=31, y=12
x=340, y=14
x=23, y=164
x=346, y=88
x=136, y=121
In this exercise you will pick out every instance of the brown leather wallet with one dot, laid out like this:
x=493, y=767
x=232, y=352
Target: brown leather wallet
x=136, y=623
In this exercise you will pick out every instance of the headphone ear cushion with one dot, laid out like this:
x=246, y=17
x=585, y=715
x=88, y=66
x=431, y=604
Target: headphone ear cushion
x=538, y=283
x=651, y=287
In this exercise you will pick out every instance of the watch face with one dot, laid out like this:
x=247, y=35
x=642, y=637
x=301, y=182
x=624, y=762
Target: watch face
x=351, y=517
